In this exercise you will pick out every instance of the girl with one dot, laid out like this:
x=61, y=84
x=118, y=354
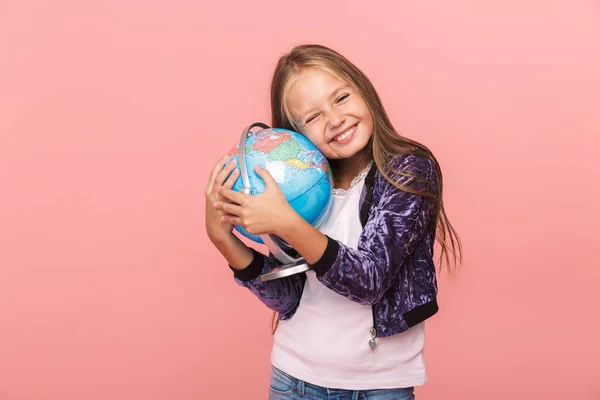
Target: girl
x=352, y=326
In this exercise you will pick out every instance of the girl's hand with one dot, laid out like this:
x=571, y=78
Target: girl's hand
x=218, y=229
x=265, y=213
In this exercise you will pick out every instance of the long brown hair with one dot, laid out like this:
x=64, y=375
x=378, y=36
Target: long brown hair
x=385, y=142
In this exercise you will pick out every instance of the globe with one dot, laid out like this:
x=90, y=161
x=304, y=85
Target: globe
x=299, y=168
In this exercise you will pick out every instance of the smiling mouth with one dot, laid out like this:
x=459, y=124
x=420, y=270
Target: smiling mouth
x=344, y=136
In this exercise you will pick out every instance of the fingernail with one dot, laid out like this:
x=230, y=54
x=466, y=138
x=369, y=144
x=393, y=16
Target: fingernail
x=237, y=171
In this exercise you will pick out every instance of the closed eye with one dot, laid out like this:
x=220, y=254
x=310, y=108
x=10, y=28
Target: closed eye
x=342, y=98
x=311, y=118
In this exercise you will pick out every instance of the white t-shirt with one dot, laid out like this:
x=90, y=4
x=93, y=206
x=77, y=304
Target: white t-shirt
x=326, y=342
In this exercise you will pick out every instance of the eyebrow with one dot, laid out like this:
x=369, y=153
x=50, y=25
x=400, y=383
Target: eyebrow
x=332, y=95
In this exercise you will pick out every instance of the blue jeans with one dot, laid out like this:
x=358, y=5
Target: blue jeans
x=284, y=386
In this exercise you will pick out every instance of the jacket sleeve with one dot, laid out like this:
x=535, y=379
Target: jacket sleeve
x=395, y=226
x=281, y=295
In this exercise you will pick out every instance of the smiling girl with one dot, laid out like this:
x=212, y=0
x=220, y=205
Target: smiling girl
x=353, y=325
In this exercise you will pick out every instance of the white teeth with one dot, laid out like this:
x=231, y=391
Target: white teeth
x=344, y=135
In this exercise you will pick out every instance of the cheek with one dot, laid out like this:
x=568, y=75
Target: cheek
x=319, y=141
x=314, y=136
x=367, y=120
x=369, y=123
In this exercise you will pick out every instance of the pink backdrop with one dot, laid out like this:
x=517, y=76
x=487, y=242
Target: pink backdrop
x=113, y=112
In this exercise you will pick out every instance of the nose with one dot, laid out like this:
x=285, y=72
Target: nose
x=336, y=118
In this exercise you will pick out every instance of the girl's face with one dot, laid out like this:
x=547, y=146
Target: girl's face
x=329, y=113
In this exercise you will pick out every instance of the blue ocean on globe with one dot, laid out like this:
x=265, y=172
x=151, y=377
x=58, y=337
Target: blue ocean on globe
x=299, y=168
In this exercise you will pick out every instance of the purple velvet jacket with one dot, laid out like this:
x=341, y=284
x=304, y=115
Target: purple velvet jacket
x=392, y=270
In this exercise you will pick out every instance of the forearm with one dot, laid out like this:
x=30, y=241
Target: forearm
x=305, y=239
x=237, y=254
x=281, y=295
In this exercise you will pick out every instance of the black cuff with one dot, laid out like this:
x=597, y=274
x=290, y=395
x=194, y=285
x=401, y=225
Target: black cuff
x=421, y=313
x=253, y=270
x=328, y=258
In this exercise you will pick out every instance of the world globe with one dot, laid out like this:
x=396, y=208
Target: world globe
x=299, y=168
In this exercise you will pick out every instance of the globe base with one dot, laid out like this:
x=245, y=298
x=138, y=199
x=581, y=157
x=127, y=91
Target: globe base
x=286, y=270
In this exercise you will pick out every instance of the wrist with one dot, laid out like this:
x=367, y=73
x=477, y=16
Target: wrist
x=289, y=225
x=238, y=255
x=304, y=238
x=222, y=240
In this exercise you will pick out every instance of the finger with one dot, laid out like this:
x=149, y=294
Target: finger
x=221, y=176
x=213, y=175
x=231, y=219
x=265, y=175
x=232, y=178
x=232, y=195
x=229, y=208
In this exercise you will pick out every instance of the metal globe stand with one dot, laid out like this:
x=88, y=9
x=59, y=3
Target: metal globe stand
x=279, y=248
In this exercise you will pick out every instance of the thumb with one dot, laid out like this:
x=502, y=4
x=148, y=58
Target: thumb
x=265, y=175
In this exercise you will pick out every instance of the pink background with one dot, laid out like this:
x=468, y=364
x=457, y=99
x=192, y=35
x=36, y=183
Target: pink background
x=112, y=114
